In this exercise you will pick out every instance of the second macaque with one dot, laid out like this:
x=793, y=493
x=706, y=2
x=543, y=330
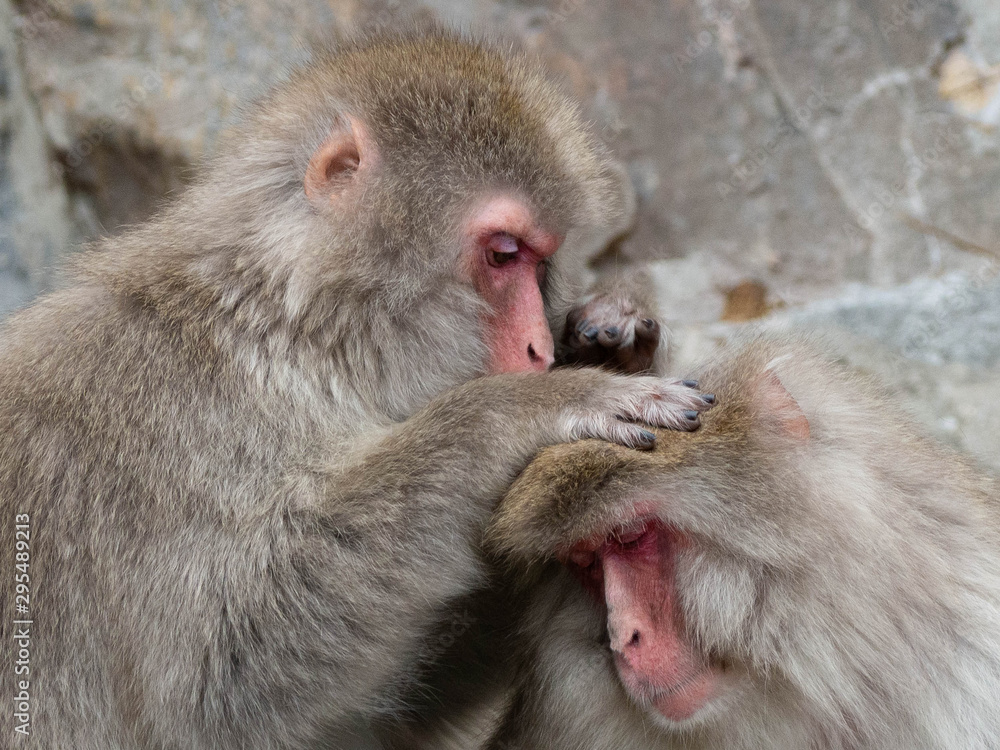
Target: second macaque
x=806, y=571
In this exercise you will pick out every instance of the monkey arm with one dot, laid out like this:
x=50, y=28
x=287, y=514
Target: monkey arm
x=384, y=539
x=567, y=493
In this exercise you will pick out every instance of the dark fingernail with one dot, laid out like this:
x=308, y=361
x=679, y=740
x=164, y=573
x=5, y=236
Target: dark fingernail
x=648, y=322
x=611, y=332
x=708, y=398
x=591, y=333
x=647, y=436
x=691, y=414
x=690, y=383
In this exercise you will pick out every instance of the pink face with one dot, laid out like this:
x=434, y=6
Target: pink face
x=504, y=256
x=504, y=249
x=632, y=572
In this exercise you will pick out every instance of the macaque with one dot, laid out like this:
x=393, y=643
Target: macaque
x=806, y=572
x=252, y=448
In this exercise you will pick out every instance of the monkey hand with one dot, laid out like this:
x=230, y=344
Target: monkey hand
x=610, y=331
x=624, y=409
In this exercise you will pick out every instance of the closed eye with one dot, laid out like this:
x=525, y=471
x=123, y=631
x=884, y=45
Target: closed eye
x=500, y=258
x=501, y=249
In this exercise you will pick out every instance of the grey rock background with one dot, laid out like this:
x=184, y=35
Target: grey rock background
x=825, y=164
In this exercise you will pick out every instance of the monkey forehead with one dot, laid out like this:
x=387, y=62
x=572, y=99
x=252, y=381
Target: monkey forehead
x=439, y=100
x=566, y=494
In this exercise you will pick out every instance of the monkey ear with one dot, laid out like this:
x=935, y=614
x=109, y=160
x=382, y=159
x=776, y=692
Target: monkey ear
x=779, y=405
x=334, y=165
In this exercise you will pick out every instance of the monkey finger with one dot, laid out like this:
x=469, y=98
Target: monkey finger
x=612, y=430
x=597, y=352
x=611, y=333
x=647, y=337
x=576, y=320
x=632, y=361
x=634, y=355
x=629, y=435
x=611, y=336
x=594, y=335
x=665, y=403
x=586, y=334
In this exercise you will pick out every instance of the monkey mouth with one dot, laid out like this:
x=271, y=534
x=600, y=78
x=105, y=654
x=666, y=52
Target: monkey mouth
x=654, y=693
x=678, y=701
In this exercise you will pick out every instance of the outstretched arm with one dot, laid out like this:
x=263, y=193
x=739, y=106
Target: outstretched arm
x=372, y=550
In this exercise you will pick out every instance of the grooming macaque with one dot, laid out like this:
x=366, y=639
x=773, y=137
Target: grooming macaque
x=258, y=439
x=806, y=571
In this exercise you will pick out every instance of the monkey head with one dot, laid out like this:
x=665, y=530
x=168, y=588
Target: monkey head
x=720, y=559
x=442, y=161
x=395, y=206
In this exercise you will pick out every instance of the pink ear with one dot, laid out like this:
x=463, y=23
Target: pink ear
x=335, y=163
x=778, y=404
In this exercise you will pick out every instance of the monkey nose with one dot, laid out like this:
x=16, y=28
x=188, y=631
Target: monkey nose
x=625, y=641
x=540, y=360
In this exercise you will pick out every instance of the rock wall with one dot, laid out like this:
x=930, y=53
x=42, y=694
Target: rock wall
x=825, y=164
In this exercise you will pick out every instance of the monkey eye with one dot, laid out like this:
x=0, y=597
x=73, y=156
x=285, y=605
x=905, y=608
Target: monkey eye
x=502, y=249
x=501, y=258
x=631, y=536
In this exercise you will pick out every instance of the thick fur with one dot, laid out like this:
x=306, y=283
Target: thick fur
x=250, y=437
x=851, y=580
